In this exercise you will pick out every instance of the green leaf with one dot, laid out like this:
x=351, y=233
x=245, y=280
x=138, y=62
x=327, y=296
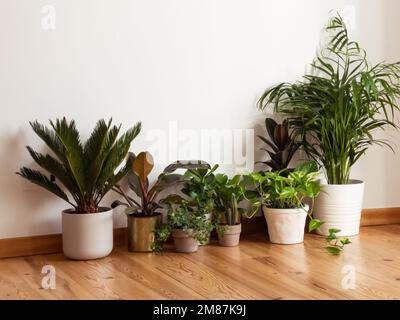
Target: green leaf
x=334, y=230
x=345, y=241
x=314, y=224
x=41, y=180
x=69, y=137
x=308, y=167
x=333, y=250
x=186, y=164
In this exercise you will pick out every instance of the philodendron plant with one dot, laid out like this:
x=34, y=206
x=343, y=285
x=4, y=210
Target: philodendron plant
x=87, y=170
x=281, y=145
x=141, y=167
x=287, y=190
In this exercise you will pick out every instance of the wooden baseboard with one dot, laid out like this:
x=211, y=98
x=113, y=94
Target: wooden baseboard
x=47, y=244
x=381, y=216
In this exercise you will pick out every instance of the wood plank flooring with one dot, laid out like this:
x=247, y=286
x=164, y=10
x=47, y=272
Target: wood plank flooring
x=254, y=270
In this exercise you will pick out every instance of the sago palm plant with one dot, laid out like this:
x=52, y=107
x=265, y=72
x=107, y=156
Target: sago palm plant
x=339, y=103
x=87, y=170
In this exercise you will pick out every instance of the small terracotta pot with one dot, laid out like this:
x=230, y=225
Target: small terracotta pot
x=230, y=235
x=183, y=242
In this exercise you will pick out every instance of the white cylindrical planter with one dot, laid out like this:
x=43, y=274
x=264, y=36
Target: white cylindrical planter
x=87, y=235
x=286, y=226
x=339, y=207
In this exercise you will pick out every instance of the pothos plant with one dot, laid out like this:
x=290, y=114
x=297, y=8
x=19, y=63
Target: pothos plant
x=287, y=189
x=186, y=218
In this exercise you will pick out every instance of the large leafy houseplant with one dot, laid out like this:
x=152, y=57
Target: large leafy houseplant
x=140, y=169
x=338, y=105
x=280, y=144
x=87, y=170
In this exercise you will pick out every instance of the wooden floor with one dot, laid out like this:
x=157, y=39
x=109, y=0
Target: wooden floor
x=254, y=270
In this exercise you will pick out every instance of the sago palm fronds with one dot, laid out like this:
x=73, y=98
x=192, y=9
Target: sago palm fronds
x=86, y=170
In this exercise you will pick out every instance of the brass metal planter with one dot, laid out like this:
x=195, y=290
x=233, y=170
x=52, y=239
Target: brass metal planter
x=141, y=231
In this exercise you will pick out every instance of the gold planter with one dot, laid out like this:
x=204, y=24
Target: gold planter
x=141, y=231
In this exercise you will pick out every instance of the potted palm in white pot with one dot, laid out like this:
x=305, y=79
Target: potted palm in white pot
x=334, y=111
x=88, y=171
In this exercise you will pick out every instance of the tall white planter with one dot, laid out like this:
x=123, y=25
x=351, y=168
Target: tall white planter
x=339, y=206
x=87, y=236
x=286, y=226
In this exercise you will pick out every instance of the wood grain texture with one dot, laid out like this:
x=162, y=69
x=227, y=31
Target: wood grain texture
x=256, y=269
x=48, y=244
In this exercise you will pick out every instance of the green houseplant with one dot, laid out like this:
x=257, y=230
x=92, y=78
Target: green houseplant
x=281, y=195
x=281, y=146
x=188, y=226
x=143, y=214
x=198, y=191
x=334, y=111
x=88, y=171
x=228, y=193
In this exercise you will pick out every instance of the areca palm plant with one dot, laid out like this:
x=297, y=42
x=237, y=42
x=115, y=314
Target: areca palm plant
x=337, y=106
x=87, y=170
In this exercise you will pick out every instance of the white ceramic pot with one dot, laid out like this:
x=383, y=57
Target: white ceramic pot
x=286, y=226
x=339, y=206
x=87, y=235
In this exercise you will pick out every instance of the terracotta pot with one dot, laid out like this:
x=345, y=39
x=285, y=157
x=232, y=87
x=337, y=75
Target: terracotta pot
x=183, y=242
x=230, y=235
x=87, y=236
x=141, y=231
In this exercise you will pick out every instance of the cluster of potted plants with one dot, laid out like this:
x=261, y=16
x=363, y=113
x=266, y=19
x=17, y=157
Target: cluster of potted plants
x=331, y=115
x=333, y=112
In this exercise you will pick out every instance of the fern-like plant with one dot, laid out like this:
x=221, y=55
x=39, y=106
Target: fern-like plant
x=87, y=170
x=338, y=105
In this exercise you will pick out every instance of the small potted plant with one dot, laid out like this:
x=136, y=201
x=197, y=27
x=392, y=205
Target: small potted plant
x=281, y=196
x=144, y=215
x=88, y=171
x=187, y=226
x=199, y=191
x=228, y=193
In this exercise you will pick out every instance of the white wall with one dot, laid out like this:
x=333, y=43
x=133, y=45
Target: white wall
x=201, y=63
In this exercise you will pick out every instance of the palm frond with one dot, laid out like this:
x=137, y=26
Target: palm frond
x=41, y=180
x=69, y=137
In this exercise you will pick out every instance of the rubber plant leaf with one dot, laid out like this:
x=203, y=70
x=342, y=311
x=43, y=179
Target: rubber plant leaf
x=142, y=166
